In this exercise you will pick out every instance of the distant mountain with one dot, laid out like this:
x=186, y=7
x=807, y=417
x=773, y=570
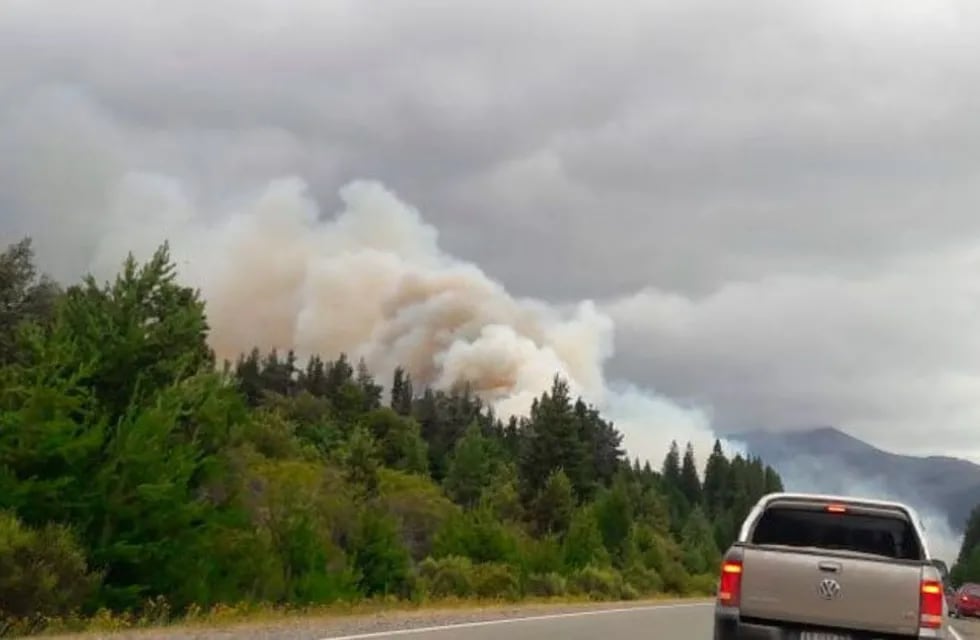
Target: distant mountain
x=831, y=461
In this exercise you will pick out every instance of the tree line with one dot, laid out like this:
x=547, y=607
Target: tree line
x=137, y=473
x=967, y=565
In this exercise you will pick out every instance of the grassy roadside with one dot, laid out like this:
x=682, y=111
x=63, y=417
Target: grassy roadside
x=252, y=615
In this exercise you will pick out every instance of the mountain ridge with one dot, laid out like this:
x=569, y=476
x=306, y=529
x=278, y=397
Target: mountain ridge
x=826, y=458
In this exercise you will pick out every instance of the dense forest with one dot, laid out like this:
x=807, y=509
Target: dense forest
x=138, y=474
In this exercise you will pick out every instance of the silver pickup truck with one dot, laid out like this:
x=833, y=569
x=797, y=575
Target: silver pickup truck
x=815, y=567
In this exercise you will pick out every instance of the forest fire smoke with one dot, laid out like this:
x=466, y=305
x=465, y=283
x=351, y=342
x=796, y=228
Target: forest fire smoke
x=373, y=282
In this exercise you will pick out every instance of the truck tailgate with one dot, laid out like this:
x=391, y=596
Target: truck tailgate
x=789, y=586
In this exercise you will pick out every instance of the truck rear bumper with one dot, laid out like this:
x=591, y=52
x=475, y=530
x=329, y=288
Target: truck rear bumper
x=728, y=626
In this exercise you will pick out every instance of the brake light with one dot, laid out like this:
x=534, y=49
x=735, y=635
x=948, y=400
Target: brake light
x=836, y=508
x=931, y=604
x=730, y=588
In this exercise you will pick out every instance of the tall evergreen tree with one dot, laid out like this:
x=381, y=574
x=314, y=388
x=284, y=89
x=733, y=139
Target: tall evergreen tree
x=715, y=481
x=690, y=483
x=401, y=392
x=671, y=469
x=25, y=296
x=552, y=441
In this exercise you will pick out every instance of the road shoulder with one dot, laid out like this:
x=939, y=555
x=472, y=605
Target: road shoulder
x=321, y=627
x=968, y=629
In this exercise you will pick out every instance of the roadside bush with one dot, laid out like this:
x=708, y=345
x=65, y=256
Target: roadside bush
x=447, y=576
x=702, y=584
x=597, y=583
x=548, y=585
x=675, y=578
x=647, y=581
x=43, y=572
x=496, y=580
x=629, y=592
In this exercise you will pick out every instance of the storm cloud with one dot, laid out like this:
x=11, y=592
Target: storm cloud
x=773, y=203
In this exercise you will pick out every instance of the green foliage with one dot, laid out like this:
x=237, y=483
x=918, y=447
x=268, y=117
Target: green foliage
x=471, y=467
x=379, y=557
x=967, y=566
x=419, y=507
x=477, y=535
x=399, y=444
x=25, y=297
x=138, y=480
x=553, y=506
x=42, y=572
x=584, y=544
x=614, y=514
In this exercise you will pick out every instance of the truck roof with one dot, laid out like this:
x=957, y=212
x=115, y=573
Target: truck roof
x=835, y=498
x=871, y=502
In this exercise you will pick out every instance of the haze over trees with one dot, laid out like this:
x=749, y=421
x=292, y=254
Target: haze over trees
x=138, y=474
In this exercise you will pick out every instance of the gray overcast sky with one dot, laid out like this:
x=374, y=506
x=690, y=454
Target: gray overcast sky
x=775, y=201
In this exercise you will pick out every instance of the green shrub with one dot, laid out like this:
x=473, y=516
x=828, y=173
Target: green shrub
x=43, y=572
x=597, y=583
x=675, y=578
x=629, y=592
x=447, y=576
x=496, y=580
x=702, y=584
x=647, y=581
x=547, y=585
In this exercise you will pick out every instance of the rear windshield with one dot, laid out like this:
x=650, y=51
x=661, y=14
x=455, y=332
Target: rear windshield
x=892, y=537
x=972, y=589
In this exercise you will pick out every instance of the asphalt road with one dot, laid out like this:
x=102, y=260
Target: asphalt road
x=968, y=629
x=666, y=621
x=688, y=621
x=681, y=621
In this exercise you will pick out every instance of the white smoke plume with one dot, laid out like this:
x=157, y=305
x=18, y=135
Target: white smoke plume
x=372, y=281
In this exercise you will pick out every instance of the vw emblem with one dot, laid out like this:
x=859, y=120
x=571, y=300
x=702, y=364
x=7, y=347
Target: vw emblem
x=829, y=589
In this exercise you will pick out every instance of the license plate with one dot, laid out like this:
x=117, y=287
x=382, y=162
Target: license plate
x=821, y=635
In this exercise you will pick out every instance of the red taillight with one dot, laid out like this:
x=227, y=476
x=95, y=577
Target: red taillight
x=731, y=583
x=836, y=508
x=931, y=604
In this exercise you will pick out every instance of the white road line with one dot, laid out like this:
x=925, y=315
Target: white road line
x=956, y=634
x=487, y=623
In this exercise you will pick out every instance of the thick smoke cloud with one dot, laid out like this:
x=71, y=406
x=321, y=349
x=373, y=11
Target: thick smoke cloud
x=773, y=202
x=373, y=282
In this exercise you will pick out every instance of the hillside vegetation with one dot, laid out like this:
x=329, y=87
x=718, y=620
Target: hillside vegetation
x=967, y=566
x=139, y=476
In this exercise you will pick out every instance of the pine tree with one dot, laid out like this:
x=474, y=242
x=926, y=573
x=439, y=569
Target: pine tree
x=971, y=535
x=554, y=505
x=715, y=480
x=401, y=392
x=671, y=469
x=371, y=391
x=690, y=483
x=470, y=468
x=552, y=441
x=773, y=483
x=24, y=296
